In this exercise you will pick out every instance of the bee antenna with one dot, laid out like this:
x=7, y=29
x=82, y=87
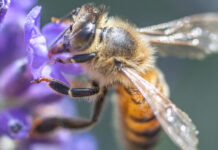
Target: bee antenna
x=58, y=37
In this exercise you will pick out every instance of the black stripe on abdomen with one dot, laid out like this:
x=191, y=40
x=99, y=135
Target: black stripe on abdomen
x=142, y=139
x=142, y=120
x=147, y=133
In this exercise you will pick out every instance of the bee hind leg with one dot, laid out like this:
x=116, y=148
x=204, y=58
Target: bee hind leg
x=49, y=124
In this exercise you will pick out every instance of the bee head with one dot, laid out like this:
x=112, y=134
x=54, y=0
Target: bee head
x=82, y=31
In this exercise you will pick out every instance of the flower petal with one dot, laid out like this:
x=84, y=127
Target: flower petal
x=17, y=11
x=62, y=140
x=22, y=5
x=52, y=30
x=14, y=16
x=12, y=35
x=4, y=4
x=12, y=44
x=83, y=141
x=35, y=42
x=15, y=79
x=61, y=72
x=58, y=70
x=14, y=123
x=32, y=23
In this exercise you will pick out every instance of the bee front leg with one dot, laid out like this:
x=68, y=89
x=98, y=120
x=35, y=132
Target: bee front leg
x=49, y=124
x=62, y=88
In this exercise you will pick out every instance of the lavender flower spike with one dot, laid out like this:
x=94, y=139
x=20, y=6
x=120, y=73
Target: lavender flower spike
x=4, y=4
x=36, y=42
x=28, y=102
x=11, y=29
x=37, y=49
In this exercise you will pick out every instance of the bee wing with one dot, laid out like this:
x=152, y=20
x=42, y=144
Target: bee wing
x=175, y=122
x=194, y=36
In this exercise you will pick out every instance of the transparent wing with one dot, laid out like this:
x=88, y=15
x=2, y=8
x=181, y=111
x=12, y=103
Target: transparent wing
x=175, y=122
x=194, y=36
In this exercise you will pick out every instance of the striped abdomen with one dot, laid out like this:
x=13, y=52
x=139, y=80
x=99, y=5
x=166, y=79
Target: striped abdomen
x=139, y=127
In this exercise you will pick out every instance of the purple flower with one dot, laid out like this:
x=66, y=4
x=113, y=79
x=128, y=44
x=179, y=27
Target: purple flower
x=37, y=44
x=15, y=83
x=17, y=11
x=23, y=102
x=17, y=125
x=62, y=141
x=83, y=142
x=24, y=98
x=14, y=123
x=4, y=4
x=16, y=76
x=12, y=44
x=52, y=30
x=23, y=5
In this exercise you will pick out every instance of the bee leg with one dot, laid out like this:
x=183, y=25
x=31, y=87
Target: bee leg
x=77, y=58
x=50, y=124
x=62, y=88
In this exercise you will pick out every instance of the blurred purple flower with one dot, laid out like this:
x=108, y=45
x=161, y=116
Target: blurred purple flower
x=15, y=84
x=27, y=101
x=12, y=44
x=4, y=4
x=23, y=5
x=15, y=79
x=17, y=11
x=15, y=123
x=84, y=141
x=62, y=139
x=22, y=97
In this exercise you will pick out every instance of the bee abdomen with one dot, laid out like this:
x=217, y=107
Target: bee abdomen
x=139, y=127
x=141, y=134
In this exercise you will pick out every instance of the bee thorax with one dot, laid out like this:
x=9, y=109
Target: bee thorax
x=119, y=42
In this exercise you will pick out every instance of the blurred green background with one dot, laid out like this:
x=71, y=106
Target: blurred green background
x=193, y=83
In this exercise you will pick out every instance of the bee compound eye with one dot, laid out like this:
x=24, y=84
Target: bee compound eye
x=83, y=37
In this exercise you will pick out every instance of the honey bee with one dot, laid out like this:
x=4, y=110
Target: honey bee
x=117, y=54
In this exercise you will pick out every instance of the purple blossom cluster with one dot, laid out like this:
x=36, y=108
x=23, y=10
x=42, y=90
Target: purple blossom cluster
x=24, y=57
